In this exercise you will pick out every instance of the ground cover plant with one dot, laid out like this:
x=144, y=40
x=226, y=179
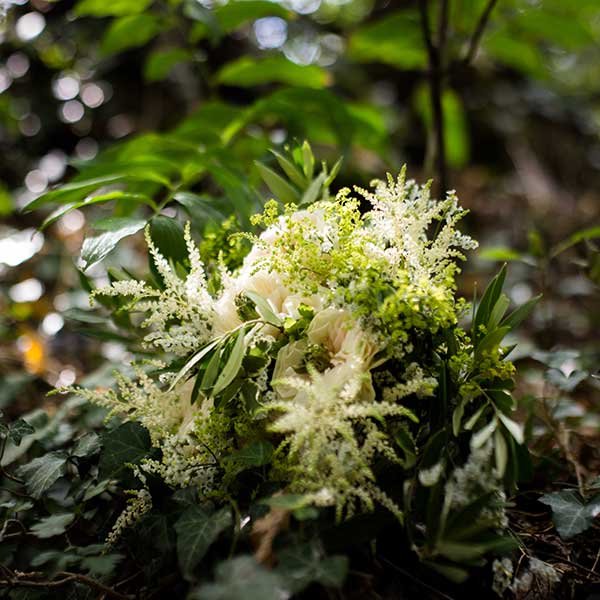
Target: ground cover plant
x=283, y=368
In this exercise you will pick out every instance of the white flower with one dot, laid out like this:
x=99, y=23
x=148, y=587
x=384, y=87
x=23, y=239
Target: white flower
x=333, y=329
x=289, y=358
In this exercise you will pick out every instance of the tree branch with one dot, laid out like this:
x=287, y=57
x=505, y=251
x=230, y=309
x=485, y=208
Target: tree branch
x=435, y=73
x=30, y=580
x=479, y=29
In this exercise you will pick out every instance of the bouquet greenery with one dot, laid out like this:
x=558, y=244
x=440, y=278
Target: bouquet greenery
x=326, y=355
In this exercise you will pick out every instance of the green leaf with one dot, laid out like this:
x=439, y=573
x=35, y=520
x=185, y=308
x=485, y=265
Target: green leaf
x=281, y=189
x=489, y=299
x=520, y=54
x=233, y=364
x=302, y=565
x=484, y=434
x=515, y=318
x=451, y=572
x=255, y=454
x=514, y=428
x=102, y=565
x=130, y=32
x=192, y=362
x=490, y=340
x=127, y=444
x=234, y=14
x=394, y=40
x=585, y=234
x=87, y=445
x=312, y=191
x=498, y=311
x=167, y=234
x=500, y=453
x=74, y=191
x=308, y=160
x=242, y=578
x=53, y=525
x=248, y=72
x=118, y=195
x=212, y=370
x=197, y=529
x=96, y=248
x=42, y=472
x=200, y=207
x=18, y=430
x=114, y=8
x=160, y=63
x=291, y=170
x=499, y=253
x=264, y=309
x=571, y=515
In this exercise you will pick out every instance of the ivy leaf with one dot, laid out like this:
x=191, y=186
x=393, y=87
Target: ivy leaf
x=18, y=430
x=42, y=472
x=197, y=529
x=102, y=565
x=126, y=444
x=253, y=455
x=53, y=525
x=571, y=515
x=87, y=445
x=96, y=248
x=302, y=565
x=242, y=578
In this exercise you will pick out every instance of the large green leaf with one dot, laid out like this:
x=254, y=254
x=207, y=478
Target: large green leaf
x=394, y=40
x=197, y=529
x=42, y=472
x=247, y=72
x=130, y=32
x=114, y=8
x=53, y=525
x=571, y=515
x=167, y=234
x=127, y=444
x=456, y=132
x=160, y=63
x=304, y=564
x=97, y=247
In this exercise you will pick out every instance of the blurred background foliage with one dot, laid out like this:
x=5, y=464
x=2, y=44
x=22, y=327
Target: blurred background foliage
x=163, y=107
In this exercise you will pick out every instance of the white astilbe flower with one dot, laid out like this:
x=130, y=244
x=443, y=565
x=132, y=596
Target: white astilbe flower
x=331, y=438
x=402, y=215
x=138, y=505
x=180, y=316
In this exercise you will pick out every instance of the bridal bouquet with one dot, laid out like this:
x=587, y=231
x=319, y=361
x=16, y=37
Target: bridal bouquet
x=321, y=365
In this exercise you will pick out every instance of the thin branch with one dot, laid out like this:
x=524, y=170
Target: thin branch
x=436, y=74
x=29, y=580
x=479, y=29
x=442, y=26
